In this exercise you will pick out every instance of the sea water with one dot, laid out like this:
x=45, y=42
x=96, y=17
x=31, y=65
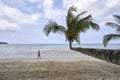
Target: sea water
x=29, y=51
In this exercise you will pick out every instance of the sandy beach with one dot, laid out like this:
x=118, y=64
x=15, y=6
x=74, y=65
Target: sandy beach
x=86, y=68
x=58, y=70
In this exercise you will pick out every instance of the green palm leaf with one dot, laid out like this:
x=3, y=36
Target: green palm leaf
x=117, y=18
x=82, y=13
x=70, y=16
x=109, y=37
x=113, y=25
x=75, y=25
x=94, y=26
x=77, y=39
x=52, y=26
x=85, y=23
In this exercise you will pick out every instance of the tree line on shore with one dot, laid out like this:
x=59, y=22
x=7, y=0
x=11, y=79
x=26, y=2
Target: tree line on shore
x=76, y=24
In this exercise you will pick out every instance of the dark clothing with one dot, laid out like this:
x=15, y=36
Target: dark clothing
x=39, y=55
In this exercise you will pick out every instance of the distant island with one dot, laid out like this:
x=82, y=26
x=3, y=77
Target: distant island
x=3, y=43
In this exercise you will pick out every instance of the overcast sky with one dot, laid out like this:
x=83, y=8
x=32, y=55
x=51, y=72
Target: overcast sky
x=22, y=21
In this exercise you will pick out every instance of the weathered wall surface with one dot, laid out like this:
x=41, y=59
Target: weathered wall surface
x=109, y=55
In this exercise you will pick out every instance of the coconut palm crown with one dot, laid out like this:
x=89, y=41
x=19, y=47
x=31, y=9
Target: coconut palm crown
x=109, y=37
x=75, y=24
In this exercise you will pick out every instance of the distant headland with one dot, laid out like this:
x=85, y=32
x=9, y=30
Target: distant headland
x=3, y=43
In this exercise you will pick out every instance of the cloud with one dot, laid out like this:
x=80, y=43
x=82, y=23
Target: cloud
x=5, y=25
x=33, y=1
x=52, y=12
x=100, y=9
x=11, y=18
x=67, y=3
x=14, y=17
x=112, y=3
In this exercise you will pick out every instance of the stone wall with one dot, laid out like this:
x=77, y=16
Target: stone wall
x=109, y=55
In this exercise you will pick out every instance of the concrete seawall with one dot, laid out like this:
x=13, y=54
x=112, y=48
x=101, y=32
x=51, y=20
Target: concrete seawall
x=108, y=55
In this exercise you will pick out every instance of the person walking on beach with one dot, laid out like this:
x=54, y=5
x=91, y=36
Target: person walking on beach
x=39, y=56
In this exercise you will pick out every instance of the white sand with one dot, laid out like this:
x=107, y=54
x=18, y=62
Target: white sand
x=58, y=69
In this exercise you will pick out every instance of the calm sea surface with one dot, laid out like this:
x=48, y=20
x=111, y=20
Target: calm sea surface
x=18, y=51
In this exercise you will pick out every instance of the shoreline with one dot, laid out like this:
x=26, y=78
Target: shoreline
x=45, y=54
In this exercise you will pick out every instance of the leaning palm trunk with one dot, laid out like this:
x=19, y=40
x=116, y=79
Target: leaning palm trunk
x=108, y=55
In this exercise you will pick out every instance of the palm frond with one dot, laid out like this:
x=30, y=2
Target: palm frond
x=75, y=25
x=77, y=18
x=117, y=18
x=77, y=39
x=86, y=19
x=109, y=37
x=94, y=26
x=113, y=25
x=83, y=24
x=70, y=16
x=118, y=30
x=52, y=26
x=84, y=12
x=72, y=8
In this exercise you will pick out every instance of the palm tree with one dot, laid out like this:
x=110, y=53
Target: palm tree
x=109, y=37
x=75, y=25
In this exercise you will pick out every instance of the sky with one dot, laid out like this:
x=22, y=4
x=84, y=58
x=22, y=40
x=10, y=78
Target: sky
x=22, y=21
